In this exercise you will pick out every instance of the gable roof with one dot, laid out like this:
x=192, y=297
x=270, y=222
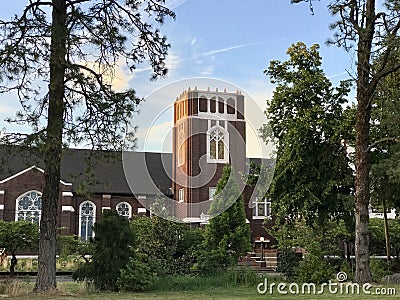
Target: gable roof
x=27, y=170
x=99, y=172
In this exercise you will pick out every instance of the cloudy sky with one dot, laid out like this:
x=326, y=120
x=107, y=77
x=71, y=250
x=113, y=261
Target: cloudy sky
x=229, y=40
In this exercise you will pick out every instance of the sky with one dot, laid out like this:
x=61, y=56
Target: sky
x=231, y=41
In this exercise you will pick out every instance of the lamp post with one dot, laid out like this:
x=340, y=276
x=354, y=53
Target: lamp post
x=262, y=263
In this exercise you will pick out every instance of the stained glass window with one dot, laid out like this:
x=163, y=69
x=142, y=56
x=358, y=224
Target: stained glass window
x=87, y=215
x=124, y=209
x=217, y=144
x=29, y=207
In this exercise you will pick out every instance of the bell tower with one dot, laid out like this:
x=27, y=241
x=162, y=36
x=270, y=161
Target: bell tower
x=209, y=131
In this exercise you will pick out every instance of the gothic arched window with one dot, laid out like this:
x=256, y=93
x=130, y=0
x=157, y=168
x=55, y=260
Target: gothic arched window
x=217, y=145
x=29, y=207
x=87, y=217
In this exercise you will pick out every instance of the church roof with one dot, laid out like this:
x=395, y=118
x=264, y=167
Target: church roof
x=99, y=172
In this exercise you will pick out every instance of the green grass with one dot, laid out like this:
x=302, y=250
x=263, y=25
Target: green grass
x=179, y=287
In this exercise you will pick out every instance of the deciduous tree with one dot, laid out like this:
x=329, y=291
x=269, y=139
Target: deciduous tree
x=313, y=180
x=17, y=236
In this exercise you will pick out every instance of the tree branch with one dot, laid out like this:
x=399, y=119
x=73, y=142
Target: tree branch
x=381, y=141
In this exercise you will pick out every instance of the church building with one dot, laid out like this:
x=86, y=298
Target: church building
x=209, y=132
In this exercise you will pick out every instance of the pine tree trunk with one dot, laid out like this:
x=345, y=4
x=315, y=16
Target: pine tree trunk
x=46, y=277
x=362, y=164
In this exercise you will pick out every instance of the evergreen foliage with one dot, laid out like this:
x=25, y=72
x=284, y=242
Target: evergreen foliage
x=112, y=250
x=374, y=33
x=60, y=58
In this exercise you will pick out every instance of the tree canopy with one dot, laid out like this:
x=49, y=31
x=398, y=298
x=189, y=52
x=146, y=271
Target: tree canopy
x=17, y=236
x=373, y=34
x=313, y=180
x=60, y=57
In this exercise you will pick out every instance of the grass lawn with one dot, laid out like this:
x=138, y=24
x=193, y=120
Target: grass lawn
x=72, y=290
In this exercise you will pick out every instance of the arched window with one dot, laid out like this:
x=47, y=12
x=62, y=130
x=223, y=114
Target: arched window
x=230, y=106
x=213, y=104
x=217, y=145
x=203, y=104
x=29, y=207
x=124, y=209
x=221, y=105
x=87, y=217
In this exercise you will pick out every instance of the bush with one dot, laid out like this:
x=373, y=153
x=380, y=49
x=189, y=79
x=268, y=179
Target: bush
x=346, y=268
x=314, y=269
x=379, y=269
x=112, y=249
x=214, y=262
x=288, y=260
x=136, y=276
x=172, y=245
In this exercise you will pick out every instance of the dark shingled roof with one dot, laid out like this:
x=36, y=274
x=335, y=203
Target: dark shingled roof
x=147, y=173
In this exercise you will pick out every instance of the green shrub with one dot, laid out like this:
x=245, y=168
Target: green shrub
x=111, y=252
x=346, y=268
x=379, y=269
x=214, y=262
x=172, y=245
x=288, y=261
x=136, y=276
x=314, y=269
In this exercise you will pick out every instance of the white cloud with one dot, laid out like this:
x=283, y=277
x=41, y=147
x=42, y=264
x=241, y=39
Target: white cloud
x=172, y=4
x=207, y=71
x=140, y=70
x=4, y=108
x=156, y=138
x=172, y=61
x=217, y=51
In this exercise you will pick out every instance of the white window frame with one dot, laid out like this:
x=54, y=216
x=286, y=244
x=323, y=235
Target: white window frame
x=129, y=209
x=86, y=237
x=267, y=209
x=30, y=210
x=225, y=159
x=181, y=195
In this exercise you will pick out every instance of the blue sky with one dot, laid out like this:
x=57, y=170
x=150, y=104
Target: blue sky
x=230, y=40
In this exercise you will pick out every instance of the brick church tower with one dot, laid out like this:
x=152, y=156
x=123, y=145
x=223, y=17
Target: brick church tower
x=209, y=131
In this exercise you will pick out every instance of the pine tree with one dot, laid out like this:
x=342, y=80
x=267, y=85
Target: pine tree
x=112, y=251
